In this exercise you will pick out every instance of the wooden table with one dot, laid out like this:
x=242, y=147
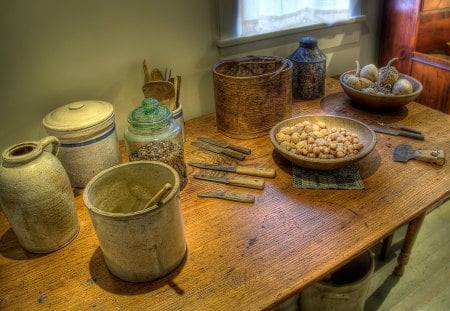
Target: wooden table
x=248, y=256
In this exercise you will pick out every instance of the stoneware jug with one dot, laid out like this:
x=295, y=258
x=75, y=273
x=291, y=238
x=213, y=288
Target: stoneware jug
x=36, y=196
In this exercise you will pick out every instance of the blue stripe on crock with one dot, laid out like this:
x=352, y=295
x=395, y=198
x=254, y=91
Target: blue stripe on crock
x=178, y=115
x=92, y=141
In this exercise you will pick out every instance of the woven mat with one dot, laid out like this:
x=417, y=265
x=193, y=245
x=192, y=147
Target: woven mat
x=343, y=178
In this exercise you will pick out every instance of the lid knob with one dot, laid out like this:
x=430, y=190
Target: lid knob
x=76, y=106
x=151, y=113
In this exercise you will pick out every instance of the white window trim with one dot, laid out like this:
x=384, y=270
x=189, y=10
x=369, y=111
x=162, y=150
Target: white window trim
x=227, y=11
x=221, y=43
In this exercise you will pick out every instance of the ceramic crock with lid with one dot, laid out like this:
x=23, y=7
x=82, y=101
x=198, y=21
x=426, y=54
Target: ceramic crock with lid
x=87, y=132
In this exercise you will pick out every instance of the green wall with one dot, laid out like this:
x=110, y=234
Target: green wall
x=55, y=52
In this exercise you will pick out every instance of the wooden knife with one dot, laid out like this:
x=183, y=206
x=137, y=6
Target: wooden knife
x=403, y=133
x=400, y=127
x=215, y=149
x=225, y=145
x=254, y=183
x=229, y=195
x=253, y=171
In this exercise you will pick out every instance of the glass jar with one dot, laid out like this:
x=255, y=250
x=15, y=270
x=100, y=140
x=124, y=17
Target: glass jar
x=308, y=78
x=153, y=135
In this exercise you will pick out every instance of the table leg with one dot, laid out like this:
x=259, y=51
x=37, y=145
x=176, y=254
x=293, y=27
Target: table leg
x=386, y=247
x=410, y=237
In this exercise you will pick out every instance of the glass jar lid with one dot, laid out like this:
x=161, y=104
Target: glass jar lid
x=150, y=114
x=79, y=115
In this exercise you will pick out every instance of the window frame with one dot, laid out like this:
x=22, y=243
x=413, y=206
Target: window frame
x=227, y=13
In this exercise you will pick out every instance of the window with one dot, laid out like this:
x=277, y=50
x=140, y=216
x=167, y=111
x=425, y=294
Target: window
x=248, y=20
x=263, y=16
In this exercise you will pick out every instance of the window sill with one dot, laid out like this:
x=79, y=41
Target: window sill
x=232, y=42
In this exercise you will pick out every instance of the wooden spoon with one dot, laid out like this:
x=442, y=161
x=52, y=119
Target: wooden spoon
x=162, y=91
x=156, y=75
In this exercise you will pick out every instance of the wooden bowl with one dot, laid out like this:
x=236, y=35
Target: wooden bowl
x=365, y=134
x=381, y=102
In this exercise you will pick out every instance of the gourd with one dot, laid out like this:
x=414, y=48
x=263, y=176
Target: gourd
x=355, y=81
x=402, y=87
x=383, y=81
x=370, y=90
x=369, y=72
x=378, y=89
x=388, y=74
x=351, y=79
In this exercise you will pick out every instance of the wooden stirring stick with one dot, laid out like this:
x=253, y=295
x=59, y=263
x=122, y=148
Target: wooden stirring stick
x=159, y=196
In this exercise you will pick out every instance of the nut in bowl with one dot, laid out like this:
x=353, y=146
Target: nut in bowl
x=380, y=101
x=322, y=142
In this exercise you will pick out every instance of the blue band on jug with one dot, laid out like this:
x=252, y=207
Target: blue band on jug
x=178, y=115
x=92, y=141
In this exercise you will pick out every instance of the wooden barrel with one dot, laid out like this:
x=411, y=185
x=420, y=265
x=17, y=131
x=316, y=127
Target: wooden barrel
x=252, y=94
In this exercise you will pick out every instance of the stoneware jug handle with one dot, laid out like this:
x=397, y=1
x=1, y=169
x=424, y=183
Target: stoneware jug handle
x=44, y=142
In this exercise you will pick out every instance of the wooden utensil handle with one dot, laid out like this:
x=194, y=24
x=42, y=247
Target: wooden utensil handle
x=159, y=195
x=146, y=73
x=240, y=149
x=411, y=135
x=254, y=171
x=239, y=197
x=431, y=156
x=409, y=129
x=233, y=154
x=254, y=183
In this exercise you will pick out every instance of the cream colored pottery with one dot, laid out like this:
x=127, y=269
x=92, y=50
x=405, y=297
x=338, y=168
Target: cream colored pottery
x=88, y=137
x=36, y=196
x=138, y=244
x=344, y=290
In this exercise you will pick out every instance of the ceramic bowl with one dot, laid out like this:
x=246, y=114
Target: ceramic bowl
x=365, y=134
x=381, y=102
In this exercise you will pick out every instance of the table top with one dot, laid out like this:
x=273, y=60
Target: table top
x=246, y=256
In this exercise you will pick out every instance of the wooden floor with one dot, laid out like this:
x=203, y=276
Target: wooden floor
x=425, y=286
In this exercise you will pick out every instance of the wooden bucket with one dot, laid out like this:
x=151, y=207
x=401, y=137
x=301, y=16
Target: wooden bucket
x=252, y=94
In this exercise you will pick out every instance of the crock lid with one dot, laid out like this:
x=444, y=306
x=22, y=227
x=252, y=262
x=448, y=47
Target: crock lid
x=308, y=42
x=78, y=115
x=150, y=114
